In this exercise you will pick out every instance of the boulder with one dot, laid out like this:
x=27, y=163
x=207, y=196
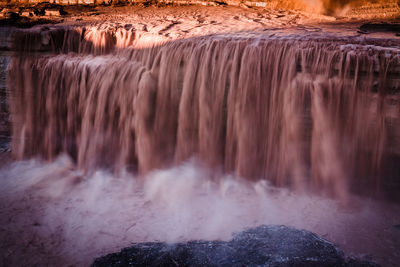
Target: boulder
x=261, y=246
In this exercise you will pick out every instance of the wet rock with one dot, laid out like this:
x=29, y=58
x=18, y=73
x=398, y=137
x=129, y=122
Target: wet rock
x=55, y=11
x=51, y=12
x=380, y=27
x=220, y=3
x=27, y=13
x=261, y=246
x=25, y=22
x=25, y=17
x=39, y=11
x=9, y=14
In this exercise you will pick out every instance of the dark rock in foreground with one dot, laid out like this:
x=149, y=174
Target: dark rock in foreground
x=261, y=246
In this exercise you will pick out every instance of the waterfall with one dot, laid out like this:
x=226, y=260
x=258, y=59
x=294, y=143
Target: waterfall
x=294, y=110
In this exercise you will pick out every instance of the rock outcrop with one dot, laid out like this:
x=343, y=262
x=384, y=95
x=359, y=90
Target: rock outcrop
x=260, y=246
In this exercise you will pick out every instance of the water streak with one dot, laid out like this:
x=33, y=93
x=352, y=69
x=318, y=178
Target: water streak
x=292, y=110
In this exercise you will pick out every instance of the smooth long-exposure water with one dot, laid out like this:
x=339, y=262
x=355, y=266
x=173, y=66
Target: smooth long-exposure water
x=124, y=137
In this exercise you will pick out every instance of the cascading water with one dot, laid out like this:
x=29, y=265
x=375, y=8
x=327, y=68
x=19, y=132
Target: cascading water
x=122, y=135
x=293, y=110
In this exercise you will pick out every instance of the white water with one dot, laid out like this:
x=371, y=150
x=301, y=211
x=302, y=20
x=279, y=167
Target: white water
x=54, y=215
x=308, y=112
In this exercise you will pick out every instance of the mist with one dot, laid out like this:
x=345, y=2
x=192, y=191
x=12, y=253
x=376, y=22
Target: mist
x=60, y=216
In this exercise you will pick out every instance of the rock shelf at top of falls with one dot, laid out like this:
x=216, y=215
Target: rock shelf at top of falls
x=175, y=22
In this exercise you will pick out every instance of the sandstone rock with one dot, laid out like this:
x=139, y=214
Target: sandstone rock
x=52, y=12
x=9, y=14
x=27, y=13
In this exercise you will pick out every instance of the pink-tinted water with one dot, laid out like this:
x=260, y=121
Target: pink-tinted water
x=117, y=116
x=300, y=111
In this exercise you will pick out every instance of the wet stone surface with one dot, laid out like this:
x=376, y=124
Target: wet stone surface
x=260, y=246
x=4, y=112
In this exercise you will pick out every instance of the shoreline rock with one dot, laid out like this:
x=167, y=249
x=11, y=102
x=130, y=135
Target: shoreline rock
x=261, y=246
